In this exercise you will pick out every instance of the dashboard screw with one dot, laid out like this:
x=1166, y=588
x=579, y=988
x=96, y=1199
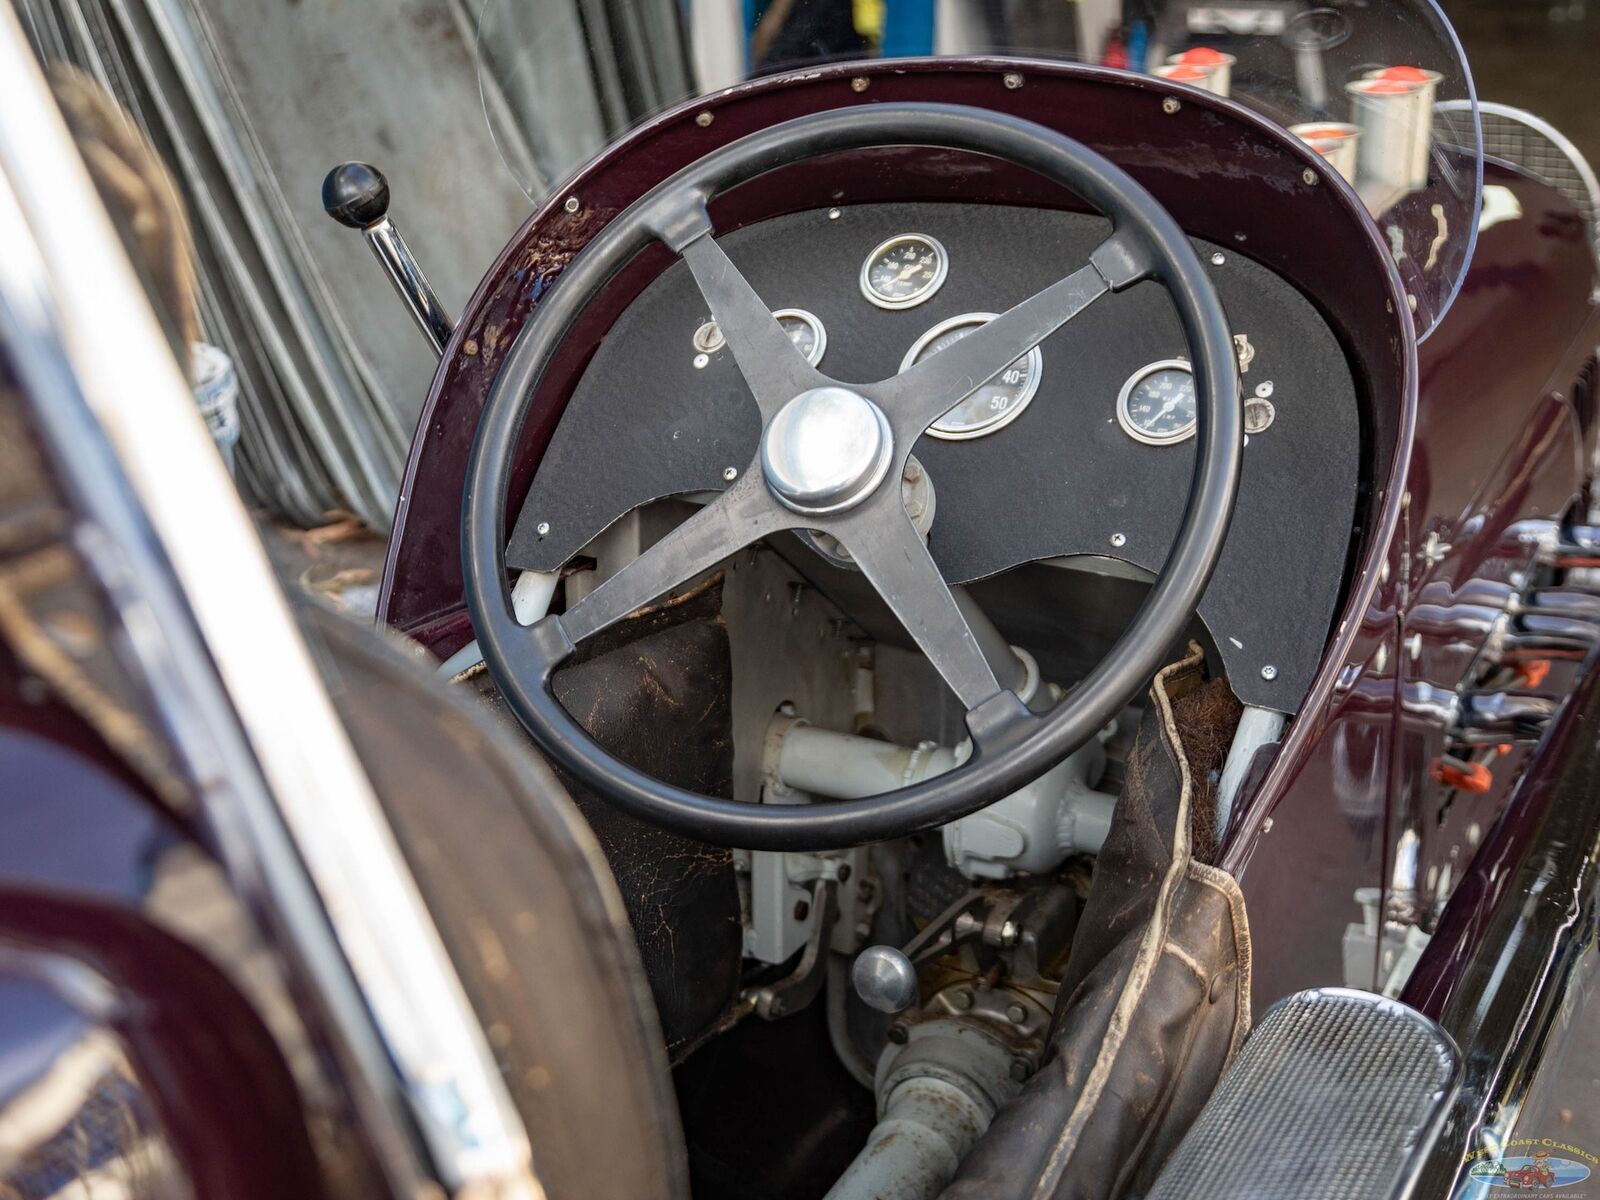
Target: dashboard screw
x=701, y=361
x=1171, y=105
x=834, y=214
x=703, y=119
x=1119, y=540
x=1012, y=80
x=730, y=473
x=859, y=83
x=1269, y=672
x=1218, y=259
x=544, y=528
x=572, y=204
x=1309, y=176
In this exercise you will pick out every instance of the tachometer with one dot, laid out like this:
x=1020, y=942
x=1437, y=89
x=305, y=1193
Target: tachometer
x=1157, y=405
x=904, y=271
x=995, y=404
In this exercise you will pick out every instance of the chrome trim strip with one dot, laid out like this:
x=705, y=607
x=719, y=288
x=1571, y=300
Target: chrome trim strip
x=81, y=328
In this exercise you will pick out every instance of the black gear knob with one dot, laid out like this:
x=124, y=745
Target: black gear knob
x=356, y=194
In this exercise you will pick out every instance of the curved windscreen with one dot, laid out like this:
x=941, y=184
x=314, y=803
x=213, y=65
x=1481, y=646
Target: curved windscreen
x=1380, y=88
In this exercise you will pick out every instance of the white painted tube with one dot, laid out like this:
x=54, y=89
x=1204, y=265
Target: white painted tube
x=1257, y=727
x=532, y=593
x=928, y=1127
x=845, y=767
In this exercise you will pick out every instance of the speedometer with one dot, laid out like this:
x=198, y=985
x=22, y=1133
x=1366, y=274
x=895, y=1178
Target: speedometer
x=990, y=407
x=1157, y=404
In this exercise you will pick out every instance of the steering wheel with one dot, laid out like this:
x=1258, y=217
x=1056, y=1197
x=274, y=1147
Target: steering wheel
x=830, y=460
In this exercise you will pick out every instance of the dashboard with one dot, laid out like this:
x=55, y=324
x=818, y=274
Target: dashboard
x=1083, y=447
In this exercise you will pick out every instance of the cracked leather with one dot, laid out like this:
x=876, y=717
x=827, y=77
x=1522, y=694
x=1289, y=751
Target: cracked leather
x=1154, y=1003
x=654, y=690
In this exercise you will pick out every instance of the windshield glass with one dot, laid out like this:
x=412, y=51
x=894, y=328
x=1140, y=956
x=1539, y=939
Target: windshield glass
x=1380, y=88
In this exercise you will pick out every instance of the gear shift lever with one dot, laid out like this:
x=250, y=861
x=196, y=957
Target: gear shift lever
x=357, y=195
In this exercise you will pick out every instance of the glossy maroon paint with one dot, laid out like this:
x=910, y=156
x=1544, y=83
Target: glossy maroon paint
x=1494, y=445
x=83, y=844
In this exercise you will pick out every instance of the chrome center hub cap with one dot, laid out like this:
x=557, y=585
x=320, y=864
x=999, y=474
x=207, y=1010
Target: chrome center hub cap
x=826, y=450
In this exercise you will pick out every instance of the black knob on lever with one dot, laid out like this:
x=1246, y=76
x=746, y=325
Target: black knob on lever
x=357, y=195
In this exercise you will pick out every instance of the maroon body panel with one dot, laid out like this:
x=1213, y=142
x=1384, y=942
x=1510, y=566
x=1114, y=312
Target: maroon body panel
x=1498, y=441
x=102, y=1001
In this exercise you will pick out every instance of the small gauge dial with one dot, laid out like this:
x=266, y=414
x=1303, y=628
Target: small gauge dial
x=805, y=331
x=1157, y=405
x=994, y=405
x=803, y=328
x=904, y=271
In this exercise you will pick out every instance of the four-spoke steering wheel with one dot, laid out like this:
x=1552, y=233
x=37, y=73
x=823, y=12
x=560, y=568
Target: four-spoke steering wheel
x=830, y=460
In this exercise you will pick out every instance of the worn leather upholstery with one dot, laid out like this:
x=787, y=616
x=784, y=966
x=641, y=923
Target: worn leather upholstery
x=1155, y=999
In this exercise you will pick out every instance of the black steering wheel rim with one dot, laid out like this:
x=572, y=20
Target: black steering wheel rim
x=1011, y=747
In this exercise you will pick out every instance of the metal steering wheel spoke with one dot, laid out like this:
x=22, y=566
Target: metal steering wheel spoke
x=771, y=364
x=895, y=560
x=743, y=514
x=916, y=398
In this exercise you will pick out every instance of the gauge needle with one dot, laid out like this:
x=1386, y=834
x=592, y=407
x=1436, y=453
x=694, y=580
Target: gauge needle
x=1171, y=404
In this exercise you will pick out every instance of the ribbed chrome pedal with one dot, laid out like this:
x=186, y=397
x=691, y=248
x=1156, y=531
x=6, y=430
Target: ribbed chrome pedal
x=1336, y=1093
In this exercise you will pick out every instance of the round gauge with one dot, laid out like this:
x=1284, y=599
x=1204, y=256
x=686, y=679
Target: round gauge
x=994, y=405
x=904, y=271
x=1157, y=405
x=805, y=331
x=803, y=328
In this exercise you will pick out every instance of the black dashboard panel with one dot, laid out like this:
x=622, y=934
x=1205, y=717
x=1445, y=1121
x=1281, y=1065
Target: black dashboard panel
x=1062, y=479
